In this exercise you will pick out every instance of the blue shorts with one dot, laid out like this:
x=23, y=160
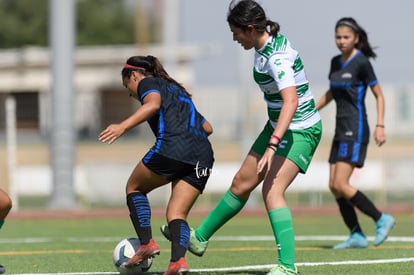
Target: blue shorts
x=348, y=151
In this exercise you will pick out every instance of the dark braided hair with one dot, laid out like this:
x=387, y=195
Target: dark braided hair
x=363, y=43
x=243, y=13
x=149, y=66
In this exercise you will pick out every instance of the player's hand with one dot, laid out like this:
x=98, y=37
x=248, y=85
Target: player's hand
x=379, y=136
x=111, y=133
x=266, y=160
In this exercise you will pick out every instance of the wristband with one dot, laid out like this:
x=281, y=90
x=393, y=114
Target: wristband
x=380, y=125
x=272, y=148
x=276, y=137
x=271, y=145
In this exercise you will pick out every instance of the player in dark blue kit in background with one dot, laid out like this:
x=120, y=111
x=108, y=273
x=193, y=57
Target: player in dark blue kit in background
x=182, y=155
x=350, y=75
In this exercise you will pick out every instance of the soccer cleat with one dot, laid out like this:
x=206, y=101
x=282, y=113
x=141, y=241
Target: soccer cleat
x=195, y=246
x=178, y=267
x=356, y=240
x=282, y=270
x=2, y=269
x=144, y=252
x=383, y=228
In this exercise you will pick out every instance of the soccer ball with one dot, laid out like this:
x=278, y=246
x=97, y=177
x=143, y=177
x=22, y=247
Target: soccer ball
x=123, y=251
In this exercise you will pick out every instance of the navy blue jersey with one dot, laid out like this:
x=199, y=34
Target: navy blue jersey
x=349, y=82
x=177, y=125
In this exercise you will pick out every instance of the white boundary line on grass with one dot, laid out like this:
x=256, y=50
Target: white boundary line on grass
x=382, y=261
x=244, y=268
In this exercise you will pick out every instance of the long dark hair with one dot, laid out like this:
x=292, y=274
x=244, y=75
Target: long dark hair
x=363, y=43
x=243, y=13
x=149, y=66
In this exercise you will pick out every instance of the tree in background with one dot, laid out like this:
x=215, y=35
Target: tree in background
x=102, y=22
x=98, y=22
x=23, y=22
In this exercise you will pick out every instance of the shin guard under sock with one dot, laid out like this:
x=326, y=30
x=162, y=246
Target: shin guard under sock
x=365, y=205
x=227, y=208
x=349, y=215
x=140, y=213
x=180, y=237
x=282, y=225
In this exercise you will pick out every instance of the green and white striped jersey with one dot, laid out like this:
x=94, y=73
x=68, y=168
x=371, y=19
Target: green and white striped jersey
x=277, y=66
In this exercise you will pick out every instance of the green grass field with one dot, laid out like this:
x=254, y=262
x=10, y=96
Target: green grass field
x=243, y=246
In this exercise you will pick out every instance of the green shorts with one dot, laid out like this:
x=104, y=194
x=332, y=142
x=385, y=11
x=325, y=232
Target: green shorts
x=296, y=145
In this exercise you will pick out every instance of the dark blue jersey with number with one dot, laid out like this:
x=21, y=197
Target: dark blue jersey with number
x=349, y=82
x=177, y=125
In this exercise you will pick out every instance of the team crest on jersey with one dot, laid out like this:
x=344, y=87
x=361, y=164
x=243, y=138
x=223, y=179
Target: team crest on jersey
x=280, y=74
x=278, y=62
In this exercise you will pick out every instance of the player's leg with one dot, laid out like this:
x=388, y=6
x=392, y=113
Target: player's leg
x=281, y=175
x=5, y=206
x=349, y=155
x=339, y=184
x=142, y=181
x=293, y=155
x=244, y=182
x=228, y=206
x=384, y=222
x=355, y=158
x=346, y=209
x=183, y=196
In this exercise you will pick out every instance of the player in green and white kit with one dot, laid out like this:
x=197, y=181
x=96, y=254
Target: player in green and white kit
x=277, y=67
x=285, y=146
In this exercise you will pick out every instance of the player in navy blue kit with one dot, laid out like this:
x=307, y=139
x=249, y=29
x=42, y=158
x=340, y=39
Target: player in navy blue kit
x=182, y=155
x=350, y=75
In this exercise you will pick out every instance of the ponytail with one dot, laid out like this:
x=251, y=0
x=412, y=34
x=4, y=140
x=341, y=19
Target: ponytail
x=149, y=66
x=273, y=27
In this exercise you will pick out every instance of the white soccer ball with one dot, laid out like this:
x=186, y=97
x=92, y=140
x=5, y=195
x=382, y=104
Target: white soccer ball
x=123, y=251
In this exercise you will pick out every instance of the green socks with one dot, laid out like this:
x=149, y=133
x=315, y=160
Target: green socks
x=227, y=208
x=280, y=219
x=282, y=225
x=1, y=223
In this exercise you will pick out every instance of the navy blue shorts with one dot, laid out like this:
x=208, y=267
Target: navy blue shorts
x=348, y=151
x=172, y=170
